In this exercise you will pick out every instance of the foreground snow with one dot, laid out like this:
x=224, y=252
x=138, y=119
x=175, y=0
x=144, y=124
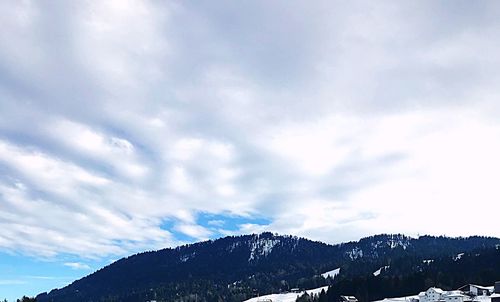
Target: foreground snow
x=483, y=298
x=399, y=299
x=288, y=297
x=410, y=298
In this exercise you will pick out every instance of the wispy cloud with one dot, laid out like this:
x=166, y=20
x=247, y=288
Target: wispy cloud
x=47, y=277
x=77, y=265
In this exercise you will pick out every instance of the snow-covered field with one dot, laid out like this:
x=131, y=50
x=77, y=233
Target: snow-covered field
x=482, y=299
x=288, y=297
x=399, y=299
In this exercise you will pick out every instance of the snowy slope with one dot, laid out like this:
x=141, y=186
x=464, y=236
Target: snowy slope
x=332, y=273
x=288, y=297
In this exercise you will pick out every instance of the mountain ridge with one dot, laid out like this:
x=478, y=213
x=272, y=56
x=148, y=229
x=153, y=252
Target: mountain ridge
x=234, y=268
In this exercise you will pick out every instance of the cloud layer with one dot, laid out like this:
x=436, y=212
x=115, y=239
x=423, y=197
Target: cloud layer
x=134, y=125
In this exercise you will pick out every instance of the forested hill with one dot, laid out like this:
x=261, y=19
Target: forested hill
x=238, y=267
x=481, y=266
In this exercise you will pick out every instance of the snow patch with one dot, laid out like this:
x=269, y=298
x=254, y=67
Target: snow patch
x=262, y=247
x=398, y=241
x=332, y=273
x=355, y=253
x=186, y=257
x=377, y=272
x=233, y=246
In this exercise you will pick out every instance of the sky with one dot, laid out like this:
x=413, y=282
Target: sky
x=129, y=125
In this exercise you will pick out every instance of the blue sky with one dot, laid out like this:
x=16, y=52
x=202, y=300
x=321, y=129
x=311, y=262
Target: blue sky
x=136, y=125
x=23, y=274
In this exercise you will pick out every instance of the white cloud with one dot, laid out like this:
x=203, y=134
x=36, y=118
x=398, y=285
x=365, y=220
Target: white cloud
x=316, y=148
x=195, y=231
x=216, y=223
x=77, y=265
x=48, y=173
x=116, y=152
x=332, y=121
x=449, y=165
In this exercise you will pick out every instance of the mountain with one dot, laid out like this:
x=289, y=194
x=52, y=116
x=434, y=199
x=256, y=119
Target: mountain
x=236, y=268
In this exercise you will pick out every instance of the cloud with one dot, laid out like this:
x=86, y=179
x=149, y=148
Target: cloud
x=46, y=277
x=216, y=223
x=444, y=161
x=195, y=231
x=123, y=124
x=77, y=265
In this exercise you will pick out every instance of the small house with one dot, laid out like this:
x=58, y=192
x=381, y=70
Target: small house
x=348, y=299
x=477, y=290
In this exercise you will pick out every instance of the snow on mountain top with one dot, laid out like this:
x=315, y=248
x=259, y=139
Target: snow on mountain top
x=332, y=273
x=261, y=247
x=393, y=241
x=287, y=297
x=396, y=241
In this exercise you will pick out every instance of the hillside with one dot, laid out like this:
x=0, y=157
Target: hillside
x=236, y=268
x=409, y=276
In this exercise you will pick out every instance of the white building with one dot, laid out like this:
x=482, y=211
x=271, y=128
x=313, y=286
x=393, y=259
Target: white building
x=348, y=299
x=455, y=297
x=478, y=290
x=433, y=294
